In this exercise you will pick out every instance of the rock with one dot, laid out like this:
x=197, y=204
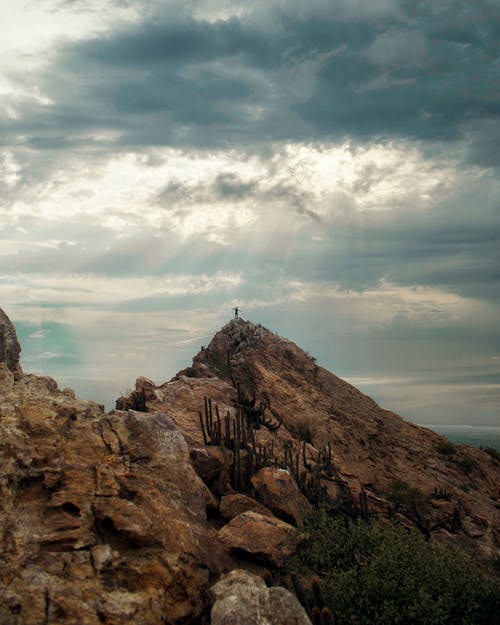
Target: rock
x=209, y=461
x=9, y=346
x=242, y=598
x=102, y=515
x=277, y=490
x=147, y=386
x=262, y=536
x=233, y=505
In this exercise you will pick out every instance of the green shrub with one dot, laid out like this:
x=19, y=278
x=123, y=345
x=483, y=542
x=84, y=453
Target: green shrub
x=379, y=573
x=467, y=465
x=405, y=498
x=491, y=451
x=303, y=430
x=445, y=448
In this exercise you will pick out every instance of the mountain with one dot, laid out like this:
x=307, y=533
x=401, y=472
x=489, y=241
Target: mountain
x=448, y=491
x=129, y=517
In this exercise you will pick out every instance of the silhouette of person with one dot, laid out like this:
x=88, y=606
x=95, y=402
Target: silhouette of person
x=236, y=311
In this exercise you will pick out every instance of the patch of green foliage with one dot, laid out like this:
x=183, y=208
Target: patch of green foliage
x=405, y=498
x=467, y=465
x=491, y=451
x=378, y=573
x=445, y=448
x=303, y=430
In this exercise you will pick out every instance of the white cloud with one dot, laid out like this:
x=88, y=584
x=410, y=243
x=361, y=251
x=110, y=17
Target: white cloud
x=398, y=48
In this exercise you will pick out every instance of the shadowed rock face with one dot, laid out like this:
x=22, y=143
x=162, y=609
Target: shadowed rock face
x=9, y=345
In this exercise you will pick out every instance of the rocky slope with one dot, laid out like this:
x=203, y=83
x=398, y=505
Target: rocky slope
x=369, y=457
x=130, y=517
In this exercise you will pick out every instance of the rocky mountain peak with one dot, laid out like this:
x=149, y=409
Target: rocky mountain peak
x=238, y=346
x=9, y=345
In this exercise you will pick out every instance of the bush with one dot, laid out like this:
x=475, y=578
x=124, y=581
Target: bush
x=491, y=451
x=445, y=448
x=406, y=499
x=467, y=465
x=303, y=430
x=380, y=573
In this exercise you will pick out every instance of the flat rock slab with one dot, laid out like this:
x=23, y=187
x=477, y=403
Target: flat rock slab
x=264, y=537
x=233, y=505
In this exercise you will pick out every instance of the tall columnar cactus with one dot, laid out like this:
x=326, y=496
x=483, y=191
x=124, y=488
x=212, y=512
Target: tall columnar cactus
x=364, y=509
x=301, y=594
x=317, y=593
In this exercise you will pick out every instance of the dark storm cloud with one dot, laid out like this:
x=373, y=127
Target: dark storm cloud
x=421, y=72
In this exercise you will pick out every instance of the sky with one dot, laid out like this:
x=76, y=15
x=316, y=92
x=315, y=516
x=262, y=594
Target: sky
x=329, y=166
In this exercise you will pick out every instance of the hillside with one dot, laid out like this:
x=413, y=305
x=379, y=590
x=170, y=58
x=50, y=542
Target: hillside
x=449, y=491
x=132, y=516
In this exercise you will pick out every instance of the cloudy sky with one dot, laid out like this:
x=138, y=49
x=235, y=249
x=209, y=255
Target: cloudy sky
x=329, y=166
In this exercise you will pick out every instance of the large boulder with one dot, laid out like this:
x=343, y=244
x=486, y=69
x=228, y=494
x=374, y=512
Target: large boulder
x=265, y=538
x=276, y=489
x=242, y=598
x=9, y=345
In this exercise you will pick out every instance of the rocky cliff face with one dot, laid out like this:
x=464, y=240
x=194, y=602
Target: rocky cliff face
x=9, y=345
x=129, y=517
x=102, y=516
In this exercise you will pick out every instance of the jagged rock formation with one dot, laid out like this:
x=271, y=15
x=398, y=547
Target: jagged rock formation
x=102, y=517
x=9, y=345
x=347, y=449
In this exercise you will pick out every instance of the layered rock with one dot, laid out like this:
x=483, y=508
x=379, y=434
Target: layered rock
x=103, y=517
x=9, y=346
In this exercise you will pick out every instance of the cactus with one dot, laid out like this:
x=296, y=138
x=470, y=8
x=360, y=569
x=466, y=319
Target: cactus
x=364, y=509
x=301, y=594
x=326, y=617
x=307, y=465
x=316, y=616
x=318, y=595
x=212, y=433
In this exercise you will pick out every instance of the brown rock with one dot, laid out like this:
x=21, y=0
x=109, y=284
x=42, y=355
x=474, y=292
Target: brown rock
x=233, y=505
x=103, y=517
x=264, y=537
x=277, y=490
x=242, y=599
x=9, y=346
x=209, y=461
x=147, y=386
